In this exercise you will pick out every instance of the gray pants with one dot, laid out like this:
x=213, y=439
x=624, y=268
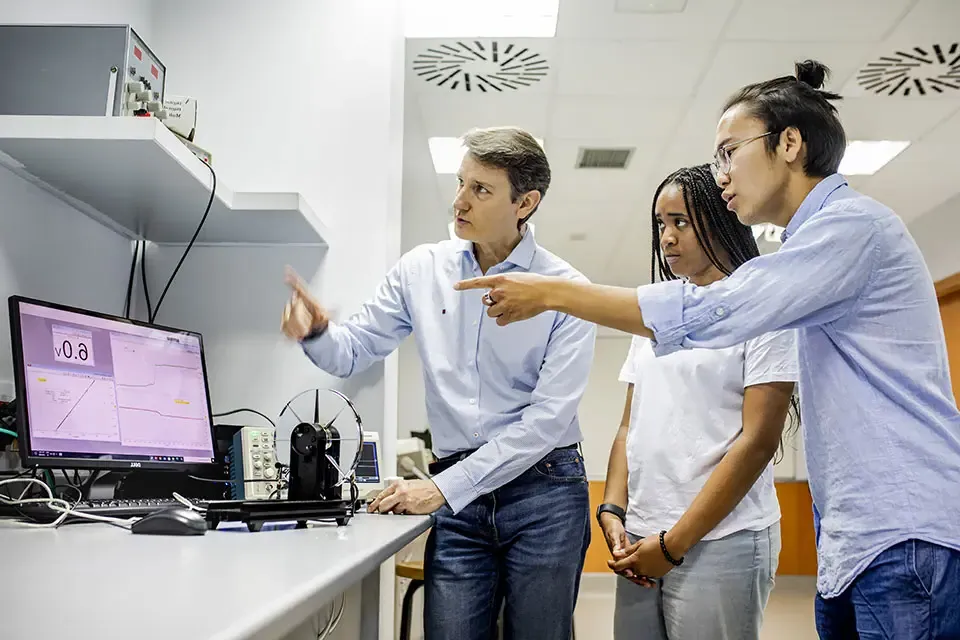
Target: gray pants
x=719, y=592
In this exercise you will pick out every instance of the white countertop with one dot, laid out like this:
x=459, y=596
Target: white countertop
x=103, y=582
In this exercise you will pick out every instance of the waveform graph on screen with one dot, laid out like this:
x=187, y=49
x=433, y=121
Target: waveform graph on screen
x=75, y=406
x=161, y=394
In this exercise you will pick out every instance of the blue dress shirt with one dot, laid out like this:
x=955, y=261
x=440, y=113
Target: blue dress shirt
x=881, y=427
x=510, y=392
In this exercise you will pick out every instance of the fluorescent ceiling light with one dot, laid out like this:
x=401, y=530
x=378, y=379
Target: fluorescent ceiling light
x=487, y=19
x=447, y=153
x=866, y=157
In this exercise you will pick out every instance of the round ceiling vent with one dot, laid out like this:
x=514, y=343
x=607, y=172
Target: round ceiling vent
x=919, y=71
x=480, y=66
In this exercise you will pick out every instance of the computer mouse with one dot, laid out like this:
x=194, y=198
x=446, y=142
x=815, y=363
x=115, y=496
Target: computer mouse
x=173, y=521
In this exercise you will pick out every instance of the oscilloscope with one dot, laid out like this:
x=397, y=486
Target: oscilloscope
x=96, y=391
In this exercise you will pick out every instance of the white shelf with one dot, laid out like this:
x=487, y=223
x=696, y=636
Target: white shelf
x=135, y=176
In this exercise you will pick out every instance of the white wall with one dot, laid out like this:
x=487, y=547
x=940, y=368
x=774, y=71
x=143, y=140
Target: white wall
x=936, y=233
x=136, y=13
x=50, y=251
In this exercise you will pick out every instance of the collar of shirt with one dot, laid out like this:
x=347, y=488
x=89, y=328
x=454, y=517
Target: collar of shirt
x=521, y=256
x=814, y=201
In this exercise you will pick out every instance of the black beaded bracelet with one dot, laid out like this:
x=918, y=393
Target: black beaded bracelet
x=666, y=554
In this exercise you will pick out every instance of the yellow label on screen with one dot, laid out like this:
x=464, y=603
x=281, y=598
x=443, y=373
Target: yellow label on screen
x=178, y=401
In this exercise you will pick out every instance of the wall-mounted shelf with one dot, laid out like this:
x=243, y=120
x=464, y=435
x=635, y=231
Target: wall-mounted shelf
x=135, y=176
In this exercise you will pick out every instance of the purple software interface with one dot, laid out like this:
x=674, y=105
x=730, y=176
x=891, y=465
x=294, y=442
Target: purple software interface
x=106, y=389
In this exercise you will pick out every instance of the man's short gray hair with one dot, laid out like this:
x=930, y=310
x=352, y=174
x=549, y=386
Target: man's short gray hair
x=516, y=152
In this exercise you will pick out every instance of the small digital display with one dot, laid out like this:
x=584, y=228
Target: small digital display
x=368, y=469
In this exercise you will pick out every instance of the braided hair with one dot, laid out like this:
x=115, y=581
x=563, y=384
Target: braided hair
x=711, y=223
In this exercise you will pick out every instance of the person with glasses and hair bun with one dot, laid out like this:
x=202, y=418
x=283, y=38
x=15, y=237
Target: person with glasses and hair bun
x=881, y=424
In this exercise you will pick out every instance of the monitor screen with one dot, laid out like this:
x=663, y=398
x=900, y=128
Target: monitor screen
x=368, y=469
x=97, y=391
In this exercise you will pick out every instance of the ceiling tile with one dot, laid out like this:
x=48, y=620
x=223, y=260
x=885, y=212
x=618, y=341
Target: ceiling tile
x=740, y=63
x=628, y=68
x=700, y=21
x=618, y=120
x=930, y=21
x=918, y=180
x=893, y=118
x=823, y=20
x=455, y=115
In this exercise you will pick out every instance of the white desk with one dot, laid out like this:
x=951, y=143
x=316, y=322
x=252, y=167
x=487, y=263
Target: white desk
x=98, y=581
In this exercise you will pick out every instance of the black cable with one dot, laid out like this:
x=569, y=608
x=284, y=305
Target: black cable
x=245, y=410
x=73, y=484
x=86, y=486
x=206, y=212
x=143, y=281
x=73, y=488
x=233, y=481
x=133, y=272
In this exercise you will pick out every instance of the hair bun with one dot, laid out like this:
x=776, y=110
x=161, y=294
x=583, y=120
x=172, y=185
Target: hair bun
x=812, y=73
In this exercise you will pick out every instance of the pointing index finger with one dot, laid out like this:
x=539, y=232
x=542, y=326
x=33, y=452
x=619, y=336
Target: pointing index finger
x=295, y=282
x=483, y=282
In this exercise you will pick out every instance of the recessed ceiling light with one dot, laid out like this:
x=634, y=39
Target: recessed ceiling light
x=447, y=153
x=866, y=157
x=495, y=19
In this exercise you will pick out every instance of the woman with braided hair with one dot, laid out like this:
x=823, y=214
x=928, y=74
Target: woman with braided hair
x=691, y=468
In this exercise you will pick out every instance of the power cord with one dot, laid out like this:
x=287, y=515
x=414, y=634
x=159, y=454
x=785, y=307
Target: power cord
x=61, y=506
x=143, y=279
x=130, y=279
x=245, y=410
x=163, y=294
x=333, y=620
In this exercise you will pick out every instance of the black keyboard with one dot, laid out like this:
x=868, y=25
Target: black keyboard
x=106, y=508
x=130, y=508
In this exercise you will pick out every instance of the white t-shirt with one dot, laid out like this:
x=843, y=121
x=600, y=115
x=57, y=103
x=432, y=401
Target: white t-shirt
x=687, y=412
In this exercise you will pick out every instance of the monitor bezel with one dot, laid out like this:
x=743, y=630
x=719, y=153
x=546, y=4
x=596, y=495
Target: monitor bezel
x=29, y=460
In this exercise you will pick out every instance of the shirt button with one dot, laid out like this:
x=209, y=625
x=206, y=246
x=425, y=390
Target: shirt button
x=721, y=312
x=474, y=323
x=476, y=435
x=470, y=363
x=473, y=401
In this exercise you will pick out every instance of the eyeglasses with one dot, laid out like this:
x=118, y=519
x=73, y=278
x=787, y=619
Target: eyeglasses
x=721, y=159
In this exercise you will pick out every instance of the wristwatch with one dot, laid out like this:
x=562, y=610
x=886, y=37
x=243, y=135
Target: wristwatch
x=611, y=508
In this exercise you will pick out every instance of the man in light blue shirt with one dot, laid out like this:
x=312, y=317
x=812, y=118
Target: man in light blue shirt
x=509, y=488
x=881, y=426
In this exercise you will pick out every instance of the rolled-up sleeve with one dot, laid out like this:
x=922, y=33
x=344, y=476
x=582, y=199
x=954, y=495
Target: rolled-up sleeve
x=816, y=277
x=553, y=407
x=369, y=336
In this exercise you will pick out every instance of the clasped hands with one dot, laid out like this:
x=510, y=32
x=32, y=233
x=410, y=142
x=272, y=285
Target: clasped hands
x=642, y=562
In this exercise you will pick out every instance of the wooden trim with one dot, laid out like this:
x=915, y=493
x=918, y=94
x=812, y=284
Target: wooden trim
x=798, y=555
x=948, y=286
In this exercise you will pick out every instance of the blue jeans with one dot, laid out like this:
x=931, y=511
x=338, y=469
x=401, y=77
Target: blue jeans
x=522, y=544
x=718, y=593
x=911, y=591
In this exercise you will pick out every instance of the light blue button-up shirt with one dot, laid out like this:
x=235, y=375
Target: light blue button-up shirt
x=510, y=392
x=881, y=427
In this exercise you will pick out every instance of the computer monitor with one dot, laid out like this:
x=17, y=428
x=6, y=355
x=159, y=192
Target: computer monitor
x=96, y=391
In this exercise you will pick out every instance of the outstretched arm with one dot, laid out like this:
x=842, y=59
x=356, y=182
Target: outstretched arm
x=816, y=277
x=515, y=297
